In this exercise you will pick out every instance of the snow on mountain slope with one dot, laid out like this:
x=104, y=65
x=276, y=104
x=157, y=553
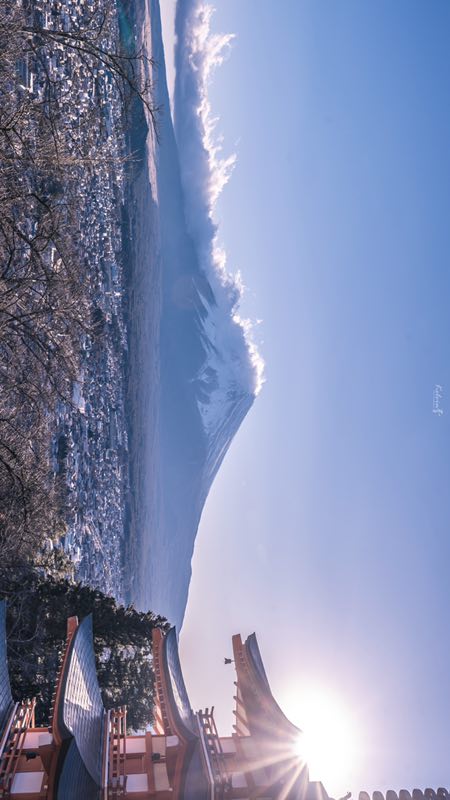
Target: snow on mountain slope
x=210, y=371
x=232, y=370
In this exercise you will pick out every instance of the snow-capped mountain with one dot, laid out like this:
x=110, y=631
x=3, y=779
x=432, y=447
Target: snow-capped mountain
x=208, y=372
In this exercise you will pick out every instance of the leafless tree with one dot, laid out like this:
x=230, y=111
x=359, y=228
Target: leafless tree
x=51, y=146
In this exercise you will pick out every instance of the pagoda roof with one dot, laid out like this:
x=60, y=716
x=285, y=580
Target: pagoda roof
x=174, y=716
x=196, y=785
x=258, y=715
x=172, y=696
x=80, y=712
x=257, y=711
x=75, y=781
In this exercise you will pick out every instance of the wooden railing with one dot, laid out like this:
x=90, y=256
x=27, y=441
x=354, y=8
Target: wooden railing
x=217, y=758
x=117, y=753
x=23, y=720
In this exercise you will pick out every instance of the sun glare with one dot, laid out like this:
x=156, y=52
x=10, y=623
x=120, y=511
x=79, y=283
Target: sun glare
x=329, y=740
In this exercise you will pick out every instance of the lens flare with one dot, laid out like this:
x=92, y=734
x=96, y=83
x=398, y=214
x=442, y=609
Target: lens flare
x=329, y=739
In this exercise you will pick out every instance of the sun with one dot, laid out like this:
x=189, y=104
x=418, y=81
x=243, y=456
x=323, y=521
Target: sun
x=329, y=742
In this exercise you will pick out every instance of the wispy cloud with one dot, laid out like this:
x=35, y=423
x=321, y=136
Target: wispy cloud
x=205, y=171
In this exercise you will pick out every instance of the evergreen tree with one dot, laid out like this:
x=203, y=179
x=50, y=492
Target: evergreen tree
x=38, y=608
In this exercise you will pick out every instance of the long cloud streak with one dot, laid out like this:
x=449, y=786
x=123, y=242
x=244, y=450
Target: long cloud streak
x=204, y=173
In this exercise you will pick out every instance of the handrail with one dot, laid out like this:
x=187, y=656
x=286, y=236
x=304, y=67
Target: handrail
x=117, y=744
x=215, y=754
x=5, y=736
x=10, y=758
x=206, y=755
x=105, y=765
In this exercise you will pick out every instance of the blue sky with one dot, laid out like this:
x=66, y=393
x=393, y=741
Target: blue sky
x=327, y=528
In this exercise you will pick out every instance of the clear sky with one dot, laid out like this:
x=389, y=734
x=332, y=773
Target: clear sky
x=327, y=528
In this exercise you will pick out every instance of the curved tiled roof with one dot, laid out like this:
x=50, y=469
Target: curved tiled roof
x=259, y=715
x=252, y=646
x=270, y=705
x=81, y=713
x=75, y=781
x=181, y=704
x=6, y=701
x=196, y=785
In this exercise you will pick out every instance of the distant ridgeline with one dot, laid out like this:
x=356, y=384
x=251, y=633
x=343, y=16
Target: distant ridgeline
x=208, y=371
